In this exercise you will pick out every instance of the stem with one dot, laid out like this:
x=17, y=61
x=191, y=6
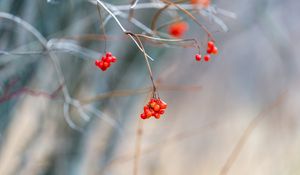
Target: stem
x=102, y=27
x=138, y=142
x=170, y=40
x=147, y=61
x=120, y=25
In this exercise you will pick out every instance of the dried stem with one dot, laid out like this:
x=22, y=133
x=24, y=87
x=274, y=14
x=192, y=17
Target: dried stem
x=122, y=28
x=131, y=12
x=102, y=27
x=170, y=40
x=147, y=62
x=138, y=144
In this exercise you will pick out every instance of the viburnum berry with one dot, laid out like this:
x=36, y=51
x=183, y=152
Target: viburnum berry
x=157, y=115
x=210, y=44
x=155, y=107
x=106, y=61
x=143, y=116
x=215, y=50
x=198, y=57
x=206, y=58
x=178, y=29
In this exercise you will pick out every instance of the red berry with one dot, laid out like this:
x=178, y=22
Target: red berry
x=206, y=58
x=210, y=44
x=146, y=108
x=178, y=29
x=108, y=54
x=209, y=50
x=157, y=116
x=103, y=68
x=156, y=108
x=143, y=116
x=161, y=111
x=152, y=104
x=100, y=63
x=152, y=112
x=198, y=57
x=215, y=50
x=148, y=113
x=163, y=105
x=113, y=59
x=104, y=58
x=106, y=64
x=97, y=62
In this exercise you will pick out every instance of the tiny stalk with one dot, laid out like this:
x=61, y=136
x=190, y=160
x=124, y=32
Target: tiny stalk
x=102, y=27
x=155, y=93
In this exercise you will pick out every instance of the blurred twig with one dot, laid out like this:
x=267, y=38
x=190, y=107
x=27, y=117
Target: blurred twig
x=8, y=96
x=138, y=144
x=248, y=131
x=68, y=100
x=130, y=92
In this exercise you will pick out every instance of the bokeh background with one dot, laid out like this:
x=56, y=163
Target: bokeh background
x=238, y=114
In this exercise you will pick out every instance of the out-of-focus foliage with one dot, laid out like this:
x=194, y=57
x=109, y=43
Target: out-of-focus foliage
x=243, y=120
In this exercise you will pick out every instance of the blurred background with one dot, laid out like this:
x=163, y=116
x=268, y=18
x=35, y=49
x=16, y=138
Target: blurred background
x=61, y=115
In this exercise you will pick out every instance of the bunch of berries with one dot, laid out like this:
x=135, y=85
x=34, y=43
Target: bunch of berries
x=155, y=108
x=105, y=61
x=211, y=49
x=178, y=29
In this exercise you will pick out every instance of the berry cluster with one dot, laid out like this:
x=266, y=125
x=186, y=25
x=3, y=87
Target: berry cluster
x=178, y=29
x=211, y=50
x=155, y=108
x=105, y=61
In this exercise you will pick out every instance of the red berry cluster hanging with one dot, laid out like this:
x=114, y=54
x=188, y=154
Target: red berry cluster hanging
x=211, y=50
x=105, y=61
x=155, y=108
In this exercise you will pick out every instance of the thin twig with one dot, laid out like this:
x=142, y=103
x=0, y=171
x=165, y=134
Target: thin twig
x=147, y=63
x=102, y=27
x=138, y=144
x=67, y=98
x=121, y=26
